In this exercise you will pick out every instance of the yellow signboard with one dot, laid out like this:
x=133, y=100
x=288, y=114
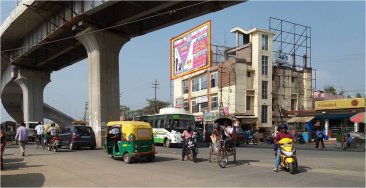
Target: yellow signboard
x=340, y=104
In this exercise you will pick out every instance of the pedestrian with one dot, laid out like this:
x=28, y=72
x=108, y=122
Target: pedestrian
x=319, y=138
x=3, y=144
x=339, y=140
x=349, y=141
x=21, y=137
x=344, y=142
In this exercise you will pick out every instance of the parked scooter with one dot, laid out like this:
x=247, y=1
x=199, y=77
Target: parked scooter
x=249, y=137
x=54, y=143
x=288, y=155
x=190, y=147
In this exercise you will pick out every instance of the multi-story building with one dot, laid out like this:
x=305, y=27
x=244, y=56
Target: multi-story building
x=240, y=84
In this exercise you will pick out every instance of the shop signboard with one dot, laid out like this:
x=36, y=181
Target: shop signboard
x=210, y=116
x=340, y=104
x=191, y=51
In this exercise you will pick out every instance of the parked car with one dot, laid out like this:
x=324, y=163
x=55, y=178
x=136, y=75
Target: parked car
x=77, y=136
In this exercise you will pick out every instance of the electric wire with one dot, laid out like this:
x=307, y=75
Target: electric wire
x=106, y=28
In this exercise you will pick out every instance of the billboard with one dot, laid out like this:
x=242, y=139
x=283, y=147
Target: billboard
x=340, y=104
x=190, y=51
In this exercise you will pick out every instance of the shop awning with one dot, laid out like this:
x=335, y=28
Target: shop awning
x=300, y=119
x=247, y=119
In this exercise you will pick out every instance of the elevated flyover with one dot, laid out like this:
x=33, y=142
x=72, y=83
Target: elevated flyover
x=40, y=37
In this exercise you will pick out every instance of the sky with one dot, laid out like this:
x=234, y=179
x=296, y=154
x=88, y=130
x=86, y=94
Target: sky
x=337, y=48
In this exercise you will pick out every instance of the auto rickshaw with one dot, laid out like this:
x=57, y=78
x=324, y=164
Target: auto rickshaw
x=130, y=140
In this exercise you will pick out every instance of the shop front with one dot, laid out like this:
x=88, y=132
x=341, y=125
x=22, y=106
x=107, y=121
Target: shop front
x=330, y=116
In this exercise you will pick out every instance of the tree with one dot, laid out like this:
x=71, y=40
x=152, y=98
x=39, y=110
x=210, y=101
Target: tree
x=341, y=92
x=150, y=108
x=330, y=89
x=358, y=95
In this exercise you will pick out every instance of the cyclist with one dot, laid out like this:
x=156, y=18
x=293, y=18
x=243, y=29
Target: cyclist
x=40, y=131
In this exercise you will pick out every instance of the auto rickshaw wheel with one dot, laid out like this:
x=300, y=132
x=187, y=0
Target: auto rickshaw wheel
x=167, y=142
x=234, y=155
x=127, y=158
x=209, y=154
x=71, y=146
x=150, y=158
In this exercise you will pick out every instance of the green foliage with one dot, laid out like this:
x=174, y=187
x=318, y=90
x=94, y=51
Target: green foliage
x=330, y=89
x=152, y=109
x=358, y=95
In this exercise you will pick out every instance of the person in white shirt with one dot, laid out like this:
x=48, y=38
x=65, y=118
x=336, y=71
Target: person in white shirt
x=39, y=130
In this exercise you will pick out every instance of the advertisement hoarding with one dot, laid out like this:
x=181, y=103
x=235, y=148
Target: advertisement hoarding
x=340, y=104
x=190, y=51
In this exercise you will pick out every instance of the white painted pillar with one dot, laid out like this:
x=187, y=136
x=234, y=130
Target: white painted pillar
x=103, y=53
x=326, y=126
x=355, y=126
x=32, y=83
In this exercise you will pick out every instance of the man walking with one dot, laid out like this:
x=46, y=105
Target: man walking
x=21, y=137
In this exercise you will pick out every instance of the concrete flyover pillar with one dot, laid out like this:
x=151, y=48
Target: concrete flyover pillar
x=103, y=51
x=32, y=83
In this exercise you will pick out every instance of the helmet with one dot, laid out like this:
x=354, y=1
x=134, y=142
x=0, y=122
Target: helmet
x=52, y=124
x=283, y=126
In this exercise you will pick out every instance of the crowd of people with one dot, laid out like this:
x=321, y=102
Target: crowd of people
x=21, y=137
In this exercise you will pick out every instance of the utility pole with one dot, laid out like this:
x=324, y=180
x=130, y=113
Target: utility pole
x=155, y=86
x=221, y=74
x=86, y=109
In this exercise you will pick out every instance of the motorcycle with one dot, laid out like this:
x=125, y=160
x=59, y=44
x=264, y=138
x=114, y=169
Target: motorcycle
x=191, y=150
x=251, y=138
x=54, y=143
x=288, y=155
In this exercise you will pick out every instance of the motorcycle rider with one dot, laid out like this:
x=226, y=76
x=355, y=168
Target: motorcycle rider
x=188, y=133
x=282, y=134
x=52, y=130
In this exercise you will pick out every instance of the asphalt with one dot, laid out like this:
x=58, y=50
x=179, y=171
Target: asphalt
x=328, y=146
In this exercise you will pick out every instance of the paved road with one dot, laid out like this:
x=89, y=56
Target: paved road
x=254, y=168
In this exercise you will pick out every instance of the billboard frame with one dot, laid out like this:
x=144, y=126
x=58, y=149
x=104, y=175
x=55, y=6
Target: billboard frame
x=180, y=36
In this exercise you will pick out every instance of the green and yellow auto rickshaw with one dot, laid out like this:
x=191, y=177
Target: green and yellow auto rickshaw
x=130, y=140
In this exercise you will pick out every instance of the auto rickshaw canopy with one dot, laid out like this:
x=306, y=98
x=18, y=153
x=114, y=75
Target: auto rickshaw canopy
x=133, y=130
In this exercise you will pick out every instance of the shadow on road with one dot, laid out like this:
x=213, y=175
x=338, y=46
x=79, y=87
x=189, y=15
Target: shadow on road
x=13, y=160
x=302, y=169
x=23, y=180
x=231, y=163
x=16, y=165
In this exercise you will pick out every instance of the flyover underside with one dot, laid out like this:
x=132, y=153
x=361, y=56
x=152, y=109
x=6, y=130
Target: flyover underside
x=128, y=18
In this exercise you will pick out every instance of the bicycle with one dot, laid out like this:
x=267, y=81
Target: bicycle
x=223, y=153
x=39, y=141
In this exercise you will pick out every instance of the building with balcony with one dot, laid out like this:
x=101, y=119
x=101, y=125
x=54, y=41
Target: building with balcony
x=240, y=83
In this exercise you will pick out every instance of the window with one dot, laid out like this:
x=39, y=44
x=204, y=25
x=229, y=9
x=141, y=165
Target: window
x=195, y=107
x=293, y=104
x=264, y=89
x=204, y=107
x=185, y=86
x=264, y=65
x=195, y=84
x=264, y=42
x=248, y=74
x=264, y=113
x=186, y=105
x=214, y=80
x=248, y=103
x=214, y=103
x=203, y=82
x=292, y=79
